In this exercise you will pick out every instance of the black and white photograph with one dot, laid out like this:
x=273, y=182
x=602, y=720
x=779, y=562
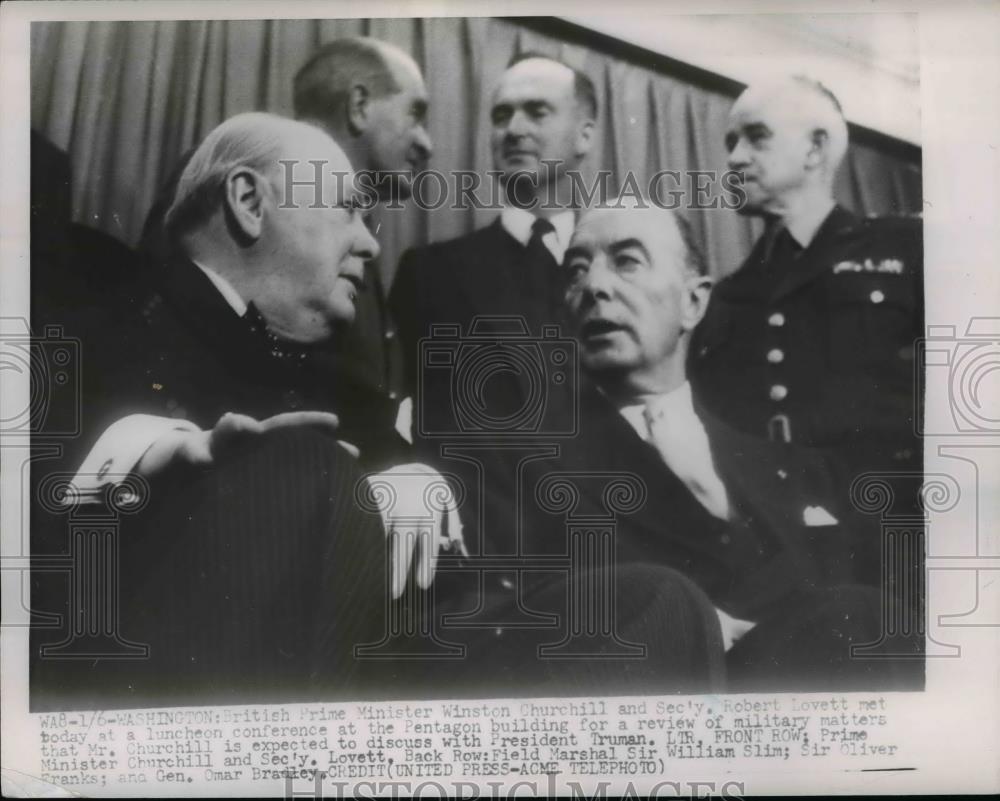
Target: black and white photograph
x=588, y=401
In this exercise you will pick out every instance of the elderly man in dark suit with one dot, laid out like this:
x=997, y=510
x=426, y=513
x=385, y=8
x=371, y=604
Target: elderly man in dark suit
x=756, y=524
x=370, y=96
x=252, y=572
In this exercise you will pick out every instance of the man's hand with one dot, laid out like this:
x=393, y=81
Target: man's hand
x=202, y=448
x=420, y=515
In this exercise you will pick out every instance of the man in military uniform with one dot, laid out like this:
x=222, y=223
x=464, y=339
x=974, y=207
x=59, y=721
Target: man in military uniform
x=811, y=341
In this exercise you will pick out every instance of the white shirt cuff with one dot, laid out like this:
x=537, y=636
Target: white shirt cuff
x=404, y=419
x=120, y=449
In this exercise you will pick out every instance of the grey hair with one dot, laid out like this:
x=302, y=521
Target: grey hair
x=322, y=85
x=253, y=140
x=695, y=262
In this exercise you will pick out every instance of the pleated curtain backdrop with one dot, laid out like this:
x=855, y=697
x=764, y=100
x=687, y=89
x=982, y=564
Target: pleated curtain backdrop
x=126, y=99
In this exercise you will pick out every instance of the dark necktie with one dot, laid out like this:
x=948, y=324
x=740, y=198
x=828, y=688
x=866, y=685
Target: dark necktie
x=542, y=270
x=536, y=246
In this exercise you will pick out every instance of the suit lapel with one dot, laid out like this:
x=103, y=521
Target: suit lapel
x=489, y=271
x=199, y=303
x=484, y=271
x=671, y=513
x=195, y=299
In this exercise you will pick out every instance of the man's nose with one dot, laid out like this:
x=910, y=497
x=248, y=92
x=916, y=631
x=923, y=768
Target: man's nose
x=598, y=281
x=423, y=144
x=365, y=245
x=738, y=157
x=518, y=125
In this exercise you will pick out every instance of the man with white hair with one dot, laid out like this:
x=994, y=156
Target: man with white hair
x=251, y=572
x=811, y=341
x=370, y=96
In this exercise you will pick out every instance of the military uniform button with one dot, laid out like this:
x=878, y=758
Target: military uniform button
x=498, y=631
x=877, y=296
x=724, y=539
x=506, y=583
x=390, y=333
x=776, y=320
x=775, y=356
x=782, y=474
x=778, y=392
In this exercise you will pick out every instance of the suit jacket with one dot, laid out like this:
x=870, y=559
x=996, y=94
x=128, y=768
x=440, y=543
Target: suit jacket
x=365, y=354
x=753, y=563
x=255, y=578
x=441, y=292
x=480, y=274
x=175, y=348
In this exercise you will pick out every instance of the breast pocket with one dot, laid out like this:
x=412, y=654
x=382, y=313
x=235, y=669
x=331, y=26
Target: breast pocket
x=873, y=320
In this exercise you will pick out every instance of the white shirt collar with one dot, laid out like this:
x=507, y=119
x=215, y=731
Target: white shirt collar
x=678, y=404
x=231, y=296
x=517, y=222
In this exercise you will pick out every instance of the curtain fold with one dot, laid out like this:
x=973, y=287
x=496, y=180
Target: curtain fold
x=126, y=99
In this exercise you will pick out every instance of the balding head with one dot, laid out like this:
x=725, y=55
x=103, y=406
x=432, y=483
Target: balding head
x=788, y=136
x=636, y=289
x=323, y=84
x=370, y=96
x=269, y=204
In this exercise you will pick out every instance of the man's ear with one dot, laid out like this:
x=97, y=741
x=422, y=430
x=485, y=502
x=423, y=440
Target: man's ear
x=245, y=189
x=357, y=109
x=697, y=291
x=585, y=137
x=819, y=145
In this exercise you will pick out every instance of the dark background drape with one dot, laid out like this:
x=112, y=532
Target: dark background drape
x=126, y=99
